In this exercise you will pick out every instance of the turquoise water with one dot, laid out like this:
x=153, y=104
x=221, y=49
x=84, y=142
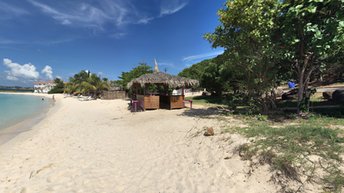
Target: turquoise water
x=17, y=108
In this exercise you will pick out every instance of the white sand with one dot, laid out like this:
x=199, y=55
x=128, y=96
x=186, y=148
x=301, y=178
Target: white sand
x=99, y=146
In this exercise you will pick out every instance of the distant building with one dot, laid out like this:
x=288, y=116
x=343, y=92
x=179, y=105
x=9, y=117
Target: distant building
x=43, y=86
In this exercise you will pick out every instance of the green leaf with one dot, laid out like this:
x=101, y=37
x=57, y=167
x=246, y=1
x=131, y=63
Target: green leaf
x=341, y=23
x=312, y=9
x=295, y=41
x=298, y=6
x=318, y=35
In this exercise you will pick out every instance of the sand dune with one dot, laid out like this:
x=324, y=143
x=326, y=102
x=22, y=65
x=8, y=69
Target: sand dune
x=99, y=146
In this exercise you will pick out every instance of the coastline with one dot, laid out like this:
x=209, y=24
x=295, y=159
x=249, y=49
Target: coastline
x=100, y=146
x=28, y=93
x=10, y=132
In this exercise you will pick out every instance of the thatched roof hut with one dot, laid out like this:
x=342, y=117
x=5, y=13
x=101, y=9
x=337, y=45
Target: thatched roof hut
x=155, y=90
x=163, y=78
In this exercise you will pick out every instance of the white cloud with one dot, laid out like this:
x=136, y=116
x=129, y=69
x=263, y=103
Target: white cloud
x=66, y=22
x=106, y=12
x=86, y=15
x=40, y=42
x=201, y=56
x=16, y=71
x=9, y=77
x=169, y=7
x=145, y=20
x=48, y=72
x=9, y=11
x=118, y=35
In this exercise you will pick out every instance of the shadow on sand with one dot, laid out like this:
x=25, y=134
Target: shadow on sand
x=206, y=112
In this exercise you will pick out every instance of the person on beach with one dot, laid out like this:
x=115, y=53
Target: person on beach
x=53, y=98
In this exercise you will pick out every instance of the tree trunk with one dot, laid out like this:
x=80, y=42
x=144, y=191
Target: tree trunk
x=300, y=94
x=301, y=65
x=304, y=72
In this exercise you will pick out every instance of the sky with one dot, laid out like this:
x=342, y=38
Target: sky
x=45, y=39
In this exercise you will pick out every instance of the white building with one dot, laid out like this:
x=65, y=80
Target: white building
x=43, y=86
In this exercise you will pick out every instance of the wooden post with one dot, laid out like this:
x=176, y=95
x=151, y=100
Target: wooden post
x=183, y=94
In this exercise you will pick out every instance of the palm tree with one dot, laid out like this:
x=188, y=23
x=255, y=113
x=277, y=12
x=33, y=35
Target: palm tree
x=87, y=84
x=102, y=86
x=69, y=88
x=98, y=84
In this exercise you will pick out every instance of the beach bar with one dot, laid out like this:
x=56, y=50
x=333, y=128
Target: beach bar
x=158, y=90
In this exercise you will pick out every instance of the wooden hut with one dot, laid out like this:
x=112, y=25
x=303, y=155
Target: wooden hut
x=154, y=90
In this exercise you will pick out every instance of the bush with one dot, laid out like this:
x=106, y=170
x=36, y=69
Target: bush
x=56, y=90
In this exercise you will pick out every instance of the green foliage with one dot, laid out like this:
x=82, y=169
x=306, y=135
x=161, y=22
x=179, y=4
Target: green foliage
x=334, y=181
x=195, y=71
x=86, y=83
x=136, y=72
x=288, y=149
x=250, y=62
x=312, y=37
x=58, y=88
x=116, y=84
x=312, y=27
x=270, y=41
x=211, y=75
x=151, y=88
x=211, y=78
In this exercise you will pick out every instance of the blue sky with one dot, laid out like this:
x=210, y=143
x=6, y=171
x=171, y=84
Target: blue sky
x=44, y=39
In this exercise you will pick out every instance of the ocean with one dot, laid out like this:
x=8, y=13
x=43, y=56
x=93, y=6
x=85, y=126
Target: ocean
x=17, y=108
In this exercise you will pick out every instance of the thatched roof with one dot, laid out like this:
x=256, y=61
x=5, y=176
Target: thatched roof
x=163, y=78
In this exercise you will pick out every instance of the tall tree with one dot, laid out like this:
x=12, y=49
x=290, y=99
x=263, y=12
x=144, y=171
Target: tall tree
x=86, y=83
x=211, y=75
x=195, y=71
x=246, y=33
x=136, y=72
x=312, y=37
x=263, y=38
x=59, y=86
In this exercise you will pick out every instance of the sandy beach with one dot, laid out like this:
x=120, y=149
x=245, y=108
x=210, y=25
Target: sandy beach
x=100, y=146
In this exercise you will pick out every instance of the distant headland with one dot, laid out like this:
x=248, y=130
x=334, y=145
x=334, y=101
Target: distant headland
x=15, y=89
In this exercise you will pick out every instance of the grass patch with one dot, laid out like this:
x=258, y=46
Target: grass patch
x=291, y=149
x=324, y=121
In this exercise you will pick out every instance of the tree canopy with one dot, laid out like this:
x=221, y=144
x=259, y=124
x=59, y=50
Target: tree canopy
x=312, y=37
x=249, y=60
x=267, y=41
x=58, y=88
x=136, y=72
x=86, y=83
